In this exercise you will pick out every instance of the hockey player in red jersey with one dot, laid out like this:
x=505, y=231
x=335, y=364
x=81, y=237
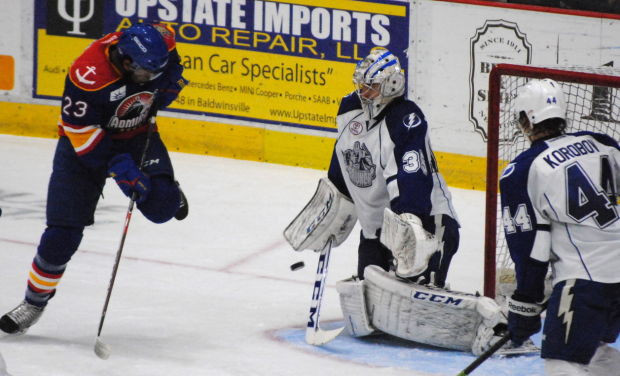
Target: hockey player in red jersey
x=110, y=93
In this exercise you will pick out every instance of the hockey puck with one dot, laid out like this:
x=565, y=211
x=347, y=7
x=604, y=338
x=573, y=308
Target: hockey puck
x=297, y=266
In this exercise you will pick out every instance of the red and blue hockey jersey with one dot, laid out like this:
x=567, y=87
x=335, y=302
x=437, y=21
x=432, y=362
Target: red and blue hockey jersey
x=99, y=104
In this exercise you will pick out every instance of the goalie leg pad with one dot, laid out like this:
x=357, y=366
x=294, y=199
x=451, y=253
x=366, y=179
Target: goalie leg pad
x=353, y=304
x=329, y=213
x=411, y=245
x=426, y=314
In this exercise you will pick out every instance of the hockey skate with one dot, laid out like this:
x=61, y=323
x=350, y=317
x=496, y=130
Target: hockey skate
x=22, y=317
x=509, y=349
x=183, y=206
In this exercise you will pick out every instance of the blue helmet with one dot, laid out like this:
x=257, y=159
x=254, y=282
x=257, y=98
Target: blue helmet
x=145, y=46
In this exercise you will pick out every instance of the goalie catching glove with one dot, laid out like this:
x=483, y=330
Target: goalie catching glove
x=329, y=213
x=411, y=245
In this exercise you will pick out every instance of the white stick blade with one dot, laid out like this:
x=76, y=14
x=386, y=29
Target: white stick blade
x=321, y=337
x=101, y=349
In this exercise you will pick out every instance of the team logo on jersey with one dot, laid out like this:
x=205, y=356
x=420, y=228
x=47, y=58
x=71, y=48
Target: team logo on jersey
x=412, y=120
x=118, y=93
x=508, y=170
x=356, y=127
x=82, y=77
x=362, y=171
x=131, y=112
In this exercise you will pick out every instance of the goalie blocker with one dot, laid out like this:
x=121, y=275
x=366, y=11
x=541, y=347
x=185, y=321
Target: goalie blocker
x=424, y=314
x=329, y=213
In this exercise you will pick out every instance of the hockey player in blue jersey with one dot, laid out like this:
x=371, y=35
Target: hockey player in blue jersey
x=383, y=159
x=111, y=90
x=559, y=205
x=384, y=173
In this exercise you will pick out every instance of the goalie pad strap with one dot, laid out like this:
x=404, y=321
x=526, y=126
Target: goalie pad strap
x=353, y=304
x=524, y=309
x=329, y=213
x=426, y=314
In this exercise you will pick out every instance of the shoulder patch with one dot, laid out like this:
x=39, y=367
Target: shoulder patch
x=92, y=70
x=508, y=170
x=411, y=120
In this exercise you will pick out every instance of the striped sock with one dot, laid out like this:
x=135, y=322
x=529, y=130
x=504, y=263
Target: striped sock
x=42, y=281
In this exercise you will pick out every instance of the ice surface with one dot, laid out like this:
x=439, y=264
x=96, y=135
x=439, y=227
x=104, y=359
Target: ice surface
x=210, y=295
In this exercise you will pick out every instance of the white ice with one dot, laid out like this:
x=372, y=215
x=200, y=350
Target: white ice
x=195, y=297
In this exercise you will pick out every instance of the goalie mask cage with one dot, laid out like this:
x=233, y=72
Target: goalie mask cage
x=593, y=104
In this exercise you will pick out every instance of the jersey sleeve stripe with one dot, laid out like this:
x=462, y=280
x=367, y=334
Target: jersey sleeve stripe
x=392, y=188
x=83, y=139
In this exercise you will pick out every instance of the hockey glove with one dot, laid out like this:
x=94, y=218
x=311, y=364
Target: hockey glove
x=523, y=319
x=128, y=177
x=173, y=83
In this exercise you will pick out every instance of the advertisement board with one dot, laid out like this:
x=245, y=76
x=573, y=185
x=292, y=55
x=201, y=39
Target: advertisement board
x=278, y=62
x=456, y=44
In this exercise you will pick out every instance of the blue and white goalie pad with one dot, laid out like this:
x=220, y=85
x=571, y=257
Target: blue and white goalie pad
x=329, y=213
x=430, y=315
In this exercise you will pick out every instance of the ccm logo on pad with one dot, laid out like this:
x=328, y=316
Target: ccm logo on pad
x=436, y=298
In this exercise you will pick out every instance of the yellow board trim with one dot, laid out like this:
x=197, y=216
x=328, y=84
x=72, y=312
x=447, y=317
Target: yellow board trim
x=235, y=141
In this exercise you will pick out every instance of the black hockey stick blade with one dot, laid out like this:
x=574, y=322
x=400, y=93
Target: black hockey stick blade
x=486, y=355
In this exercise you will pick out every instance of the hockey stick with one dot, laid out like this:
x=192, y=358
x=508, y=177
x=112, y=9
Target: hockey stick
x=314, y=334
x=486, y=355
x=101, y=349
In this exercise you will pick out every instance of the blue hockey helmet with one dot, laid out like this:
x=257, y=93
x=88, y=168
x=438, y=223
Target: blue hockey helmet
x=145, y=46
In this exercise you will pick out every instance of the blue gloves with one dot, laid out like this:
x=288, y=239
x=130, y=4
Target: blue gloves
x=128, y=177
x=173, y=83
x=523, y=319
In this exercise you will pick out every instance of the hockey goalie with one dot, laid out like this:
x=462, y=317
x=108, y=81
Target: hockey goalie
x=386, y=301
x=383, y=173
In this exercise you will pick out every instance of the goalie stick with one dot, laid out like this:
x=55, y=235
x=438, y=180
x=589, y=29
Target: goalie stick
x=314, y=334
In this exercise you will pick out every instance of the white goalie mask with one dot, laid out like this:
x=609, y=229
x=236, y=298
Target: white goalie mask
x=378, y=80
x=541, y=100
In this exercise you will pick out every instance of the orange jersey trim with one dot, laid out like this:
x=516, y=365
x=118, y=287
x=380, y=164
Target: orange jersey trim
x=83, y=138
